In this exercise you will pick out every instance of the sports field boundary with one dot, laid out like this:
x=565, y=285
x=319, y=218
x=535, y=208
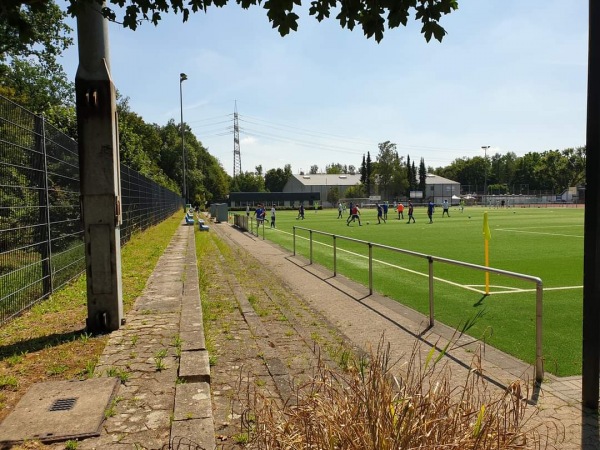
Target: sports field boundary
x=362, y=318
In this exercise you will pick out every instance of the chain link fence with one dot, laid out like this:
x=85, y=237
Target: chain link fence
x=41, y=234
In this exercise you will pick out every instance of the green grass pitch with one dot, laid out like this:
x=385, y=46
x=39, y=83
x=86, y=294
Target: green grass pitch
x=542, y=242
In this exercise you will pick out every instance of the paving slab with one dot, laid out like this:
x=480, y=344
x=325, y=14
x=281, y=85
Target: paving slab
x=59, y=410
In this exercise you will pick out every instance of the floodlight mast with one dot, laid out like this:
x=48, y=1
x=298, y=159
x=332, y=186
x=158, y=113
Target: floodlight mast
x=182, y=78
x=485, y=149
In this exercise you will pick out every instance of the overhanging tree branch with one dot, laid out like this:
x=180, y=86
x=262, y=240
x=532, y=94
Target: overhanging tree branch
x=373, y=16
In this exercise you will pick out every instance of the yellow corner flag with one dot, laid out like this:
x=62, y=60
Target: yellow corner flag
x=486, y=227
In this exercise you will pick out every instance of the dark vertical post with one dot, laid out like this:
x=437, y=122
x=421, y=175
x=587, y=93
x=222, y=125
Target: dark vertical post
x=591, y=259
x=485, y=148
x=334, y=256
x=44, y=208
x=99, y=171
x=370, y=268
x=431, y=297
x=182, y=78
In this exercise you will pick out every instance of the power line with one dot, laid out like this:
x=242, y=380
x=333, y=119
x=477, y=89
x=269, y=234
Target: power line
x=298, y=136
x=221, y=117
x=307, y=132
x=210, y=124
x=333, y=148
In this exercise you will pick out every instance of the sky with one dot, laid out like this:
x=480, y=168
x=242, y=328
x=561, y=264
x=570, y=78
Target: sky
x=509, y=74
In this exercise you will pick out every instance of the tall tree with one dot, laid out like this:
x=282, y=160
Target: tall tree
x=409, y=176
x=368, y=174
x=336, y=168
x=363, y=171
x=525, y=173
x=30, y=43
x=139, y=145
x=214, y=183
x=205, y=177
x=36, y=86
x=33, y=29
x=422, y=177
x=356, y=191
x=558, y=170
x=388, y=166
x=399, y=180
x=248, y=182
x=413, y=176
x=333, y=195
x=275, y=179
x=314, y=169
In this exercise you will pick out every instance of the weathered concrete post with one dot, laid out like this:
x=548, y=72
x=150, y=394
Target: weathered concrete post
x=99, y=172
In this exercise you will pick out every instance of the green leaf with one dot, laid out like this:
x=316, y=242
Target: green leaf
x=478, y=423
x=429, y=356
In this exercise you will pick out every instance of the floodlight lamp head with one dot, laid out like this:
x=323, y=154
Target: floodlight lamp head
x=182, y=77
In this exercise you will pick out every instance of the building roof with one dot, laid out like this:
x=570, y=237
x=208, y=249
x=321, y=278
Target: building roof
x=328, y=179
x=436, y=179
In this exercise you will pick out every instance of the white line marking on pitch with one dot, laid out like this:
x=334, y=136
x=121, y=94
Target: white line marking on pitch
x=510, y=290
x=473, y=287
x=536, y=232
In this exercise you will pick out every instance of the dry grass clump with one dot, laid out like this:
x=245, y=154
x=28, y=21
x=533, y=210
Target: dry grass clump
x=369, y=408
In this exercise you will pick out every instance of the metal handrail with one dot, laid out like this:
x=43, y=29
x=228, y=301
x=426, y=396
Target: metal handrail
x=258, y=224
x=539, y=367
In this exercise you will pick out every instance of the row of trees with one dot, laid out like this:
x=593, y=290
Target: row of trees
x=550, y=171
x=31, y=76
x=272, y=181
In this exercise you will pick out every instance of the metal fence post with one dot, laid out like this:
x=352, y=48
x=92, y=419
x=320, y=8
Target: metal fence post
x=431, y=305
x=294, y=234
x=311, y=246
x=334, y=256
x=370, y=269
x=45, y=245
x=539, y=362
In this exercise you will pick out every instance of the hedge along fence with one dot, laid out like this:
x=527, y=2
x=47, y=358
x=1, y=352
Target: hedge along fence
x=41, y=234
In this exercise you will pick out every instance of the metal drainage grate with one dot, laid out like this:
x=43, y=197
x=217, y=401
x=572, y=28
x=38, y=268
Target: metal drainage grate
x=63, y=404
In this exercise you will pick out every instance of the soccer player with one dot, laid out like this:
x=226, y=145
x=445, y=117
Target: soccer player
x=354, y=215
x=445, y=207
x=410, y=212
x=380, y=214
x=430, y=210
x=400, y=210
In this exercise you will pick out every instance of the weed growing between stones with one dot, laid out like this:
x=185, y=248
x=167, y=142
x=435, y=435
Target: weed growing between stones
x=369, y=406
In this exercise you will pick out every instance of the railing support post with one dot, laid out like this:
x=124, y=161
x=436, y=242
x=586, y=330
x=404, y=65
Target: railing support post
x=294, y=245
x=334, y=256
x=370, y=269
x=311, y=246
x=431, y=306
x=539, y=361
x=44, y=210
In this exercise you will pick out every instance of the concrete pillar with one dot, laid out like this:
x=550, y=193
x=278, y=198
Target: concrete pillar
x=99, y=172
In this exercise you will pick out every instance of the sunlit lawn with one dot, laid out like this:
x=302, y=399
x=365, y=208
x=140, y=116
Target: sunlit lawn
x=541, y=242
